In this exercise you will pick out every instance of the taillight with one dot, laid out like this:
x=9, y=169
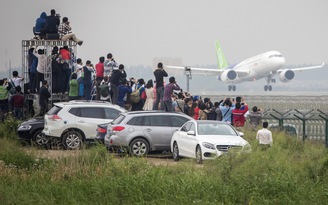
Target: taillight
x=101, y=130
x=54, y=118
x=118, y=128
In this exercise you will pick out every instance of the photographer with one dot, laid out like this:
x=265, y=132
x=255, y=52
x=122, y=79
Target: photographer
x=168, y=91
x=4, y=105
x=226, y=107
x=64, y=31
x=115, y=81
x=159, y=74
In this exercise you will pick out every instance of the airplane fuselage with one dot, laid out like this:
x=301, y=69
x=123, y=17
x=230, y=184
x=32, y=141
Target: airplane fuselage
x=257, y=67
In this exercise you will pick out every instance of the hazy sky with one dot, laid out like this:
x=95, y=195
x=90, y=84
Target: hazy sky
x=136, y=31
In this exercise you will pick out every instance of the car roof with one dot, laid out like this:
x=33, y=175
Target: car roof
x=150, y=112
x=86, y=103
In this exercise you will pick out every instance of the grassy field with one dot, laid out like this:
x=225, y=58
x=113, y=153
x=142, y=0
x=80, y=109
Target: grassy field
x=291, y=172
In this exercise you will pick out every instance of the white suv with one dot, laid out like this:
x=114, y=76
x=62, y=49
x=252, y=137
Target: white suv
x=76, y=121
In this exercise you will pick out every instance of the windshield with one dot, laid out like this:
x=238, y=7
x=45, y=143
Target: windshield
x=215, y=129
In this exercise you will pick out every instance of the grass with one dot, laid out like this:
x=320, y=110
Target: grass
x=291, y=172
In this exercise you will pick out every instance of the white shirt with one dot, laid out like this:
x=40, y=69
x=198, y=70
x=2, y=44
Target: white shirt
x=17, y=81
x=42, y=59
x=264, y=136
x=78, y=70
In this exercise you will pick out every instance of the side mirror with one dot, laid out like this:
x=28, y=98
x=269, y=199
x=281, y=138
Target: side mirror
x=241, y=134
x=191, y=132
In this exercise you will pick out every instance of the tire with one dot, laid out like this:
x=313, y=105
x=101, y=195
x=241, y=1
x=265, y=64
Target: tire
x=139, y=147
x=176, y=156
x=72, y=140
x=199, y=154
x=40, y=139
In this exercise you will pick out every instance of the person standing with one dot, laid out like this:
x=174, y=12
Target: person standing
x=110, y=65
x=123, y=90
x=238, y=114
x=99, y=74
x=264, y=136
x=159, y=74
x=255, y=117
x=4, y=106
x=149, y=103
x=226, y=108
x=73, y=93
x=41, y=67
x=115, y=79
x=168, y=91
x=17, y=103
x=87, y=80
x=44, y=96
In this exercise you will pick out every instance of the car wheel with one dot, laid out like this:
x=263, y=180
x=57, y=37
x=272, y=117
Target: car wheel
x=40, y=139
x=72, y=140
x=199, y=159
x=176, y=156
x=139, y=147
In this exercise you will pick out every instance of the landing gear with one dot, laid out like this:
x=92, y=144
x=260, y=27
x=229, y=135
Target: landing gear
x=232, y=88
x=267, y=87
x=269, y=80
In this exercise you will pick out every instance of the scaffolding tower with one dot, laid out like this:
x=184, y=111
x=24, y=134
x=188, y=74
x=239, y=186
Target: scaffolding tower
x=48, y=46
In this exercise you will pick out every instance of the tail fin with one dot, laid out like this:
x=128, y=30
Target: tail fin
x=222, y=62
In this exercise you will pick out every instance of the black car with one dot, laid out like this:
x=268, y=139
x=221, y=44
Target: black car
x=101, y=132
x=30, y=131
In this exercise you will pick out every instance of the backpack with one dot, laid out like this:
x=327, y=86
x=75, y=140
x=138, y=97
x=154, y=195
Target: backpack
x=11, y=87
x=135, y=95
x=104, y=90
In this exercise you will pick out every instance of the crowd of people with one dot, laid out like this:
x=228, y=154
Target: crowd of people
x=108, y=81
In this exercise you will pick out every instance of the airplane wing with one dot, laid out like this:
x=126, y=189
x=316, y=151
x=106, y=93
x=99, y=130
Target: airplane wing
x=205, y=71
x=303, y=68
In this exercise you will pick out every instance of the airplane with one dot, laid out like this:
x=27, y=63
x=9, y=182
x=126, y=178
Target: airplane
x=264, y=65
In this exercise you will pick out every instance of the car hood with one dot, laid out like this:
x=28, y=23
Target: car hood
x=223, y=140
x=33, y=121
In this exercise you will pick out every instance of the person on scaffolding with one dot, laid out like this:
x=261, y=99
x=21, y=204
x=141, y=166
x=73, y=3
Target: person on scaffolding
x=64, y=31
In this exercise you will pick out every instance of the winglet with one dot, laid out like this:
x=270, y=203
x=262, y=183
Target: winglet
x=222, y=62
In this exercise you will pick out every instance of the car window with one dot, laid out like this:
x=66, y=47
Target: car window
x=91, y=112
x=54, y=110
x=158, y=121
x=186, y=127
x=178, y=121
x=111, y=113
x=118, y=120
x=74, y=111
x=192, y=128
x=135, y=121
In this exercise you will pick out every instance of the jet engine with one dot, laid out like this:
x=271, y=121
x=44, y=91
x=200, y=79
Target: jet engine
x=286, y=75
x=228, y=75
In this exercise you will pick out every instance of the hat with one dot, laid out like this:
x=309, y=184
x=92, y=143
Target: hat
x=195, y=98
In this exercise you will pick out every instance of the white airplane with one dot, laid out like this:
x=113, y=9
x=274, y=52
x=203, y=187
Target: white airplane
x=264, y=65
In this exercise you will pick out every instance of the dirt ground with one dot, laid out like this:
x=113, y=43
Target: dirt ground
x=155, y=158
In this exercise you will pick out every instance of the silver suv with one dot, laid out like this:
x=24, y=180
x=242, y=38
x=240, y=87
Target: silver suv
x=76, y=121
x=143, y=131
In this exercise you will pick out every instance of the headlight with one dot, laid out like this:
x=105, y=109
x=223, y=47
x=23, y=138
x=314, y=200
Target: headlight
x=247, y=148
x=208, y=145
x=24, y=127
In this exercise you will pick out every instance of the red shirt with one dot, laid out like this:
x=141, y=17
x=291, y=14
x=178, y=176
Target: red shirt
x=17, y=100
x=99, y=70
x=66, y=55
x=196, y=115
x=238, y=116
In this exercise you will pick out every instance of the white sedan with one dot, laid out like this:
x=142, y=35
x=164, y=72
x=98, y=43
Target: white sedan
x=206, y=139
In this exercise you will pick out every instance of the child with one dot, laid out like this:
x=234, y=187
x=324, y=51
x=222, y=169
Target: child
x=73, y=88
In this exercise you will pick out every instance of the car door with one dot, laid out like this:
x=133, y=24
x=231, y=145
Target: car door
x=188, y=141
x=158, y=130
x=88, y=119
x=182, y=138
